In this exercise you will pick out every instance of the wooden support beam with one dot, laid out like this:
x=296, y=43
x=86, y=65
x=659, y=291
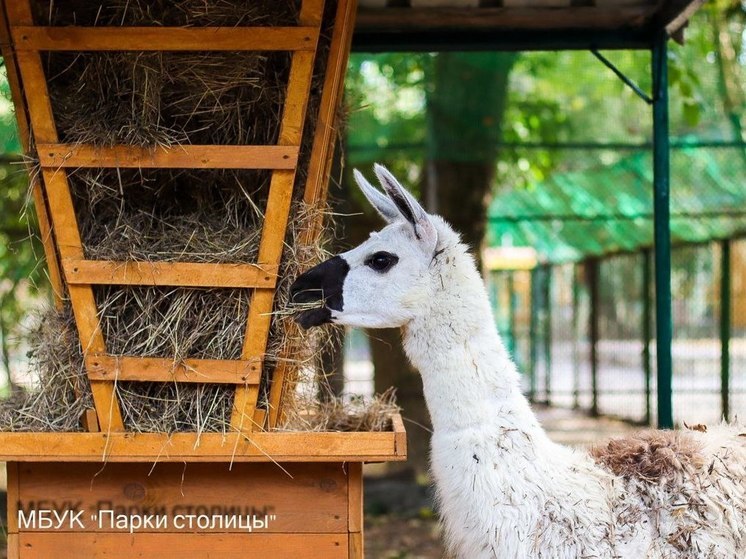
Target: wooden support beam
x=178, y=157
x=187, y=274
x=146, y=369
x=299, y=446
x=173, y=39
x=276, y=218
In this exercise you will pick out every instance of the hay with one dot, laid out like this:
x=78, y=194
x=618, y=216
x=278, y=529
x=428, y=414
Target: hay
x=167, y=99
x=340, y=414
x=62, y=392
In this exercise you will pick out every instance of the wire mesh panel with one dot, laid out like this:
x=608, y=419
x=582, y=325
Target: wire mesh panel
x=737, y=371
x=695, y=274
x=621, y=378
x=565, y=348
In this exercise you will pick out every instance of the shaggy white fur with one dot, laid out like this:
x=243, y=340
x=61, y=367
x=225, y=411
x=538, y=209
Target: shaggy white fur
x=504, y=489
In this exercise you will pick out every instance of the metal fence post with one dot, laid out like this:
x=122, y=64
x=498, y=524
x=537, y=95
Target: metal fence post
x=646, y=327
x=548, y=332
x=592, y=277
x=725, y=326
x=575, y=339
x=662, y=231
x=512, y=346
x=533, y=325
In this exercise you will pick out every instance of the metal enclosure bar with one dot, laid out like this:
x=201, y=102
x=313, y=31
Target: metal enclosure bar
x=725, y=328
x=662, y=230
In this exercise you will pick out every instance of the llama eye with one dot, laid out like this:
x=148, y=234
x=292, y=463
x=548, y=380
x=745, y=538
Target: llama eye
x=381, y=261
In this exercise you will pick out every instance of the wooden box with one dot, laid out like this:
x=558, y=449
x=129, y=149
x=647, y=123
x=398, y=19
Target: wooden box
x=281, y=495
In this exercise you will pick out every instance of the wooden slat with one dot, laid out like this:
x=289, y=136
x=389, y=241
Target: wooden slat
x=14, y=81
x=179, y=157
x=188, y=274
x=356, y=547
x=205, y=447
x=13, y=497
x=164, y=38
x=37, y=97
x=19, y=12
x=175, y=546
x=21, y=112
x=81, y=296
x=355, y=497
x=127, y=368
x=322, y=152
x=400, y=434
x=305, y=498
x=68, y=237
x=274, y=229
x=311, y=12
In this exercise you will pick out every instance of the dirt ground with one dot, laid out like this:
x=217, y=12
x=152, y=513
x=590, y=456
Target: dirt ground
x=414, y=533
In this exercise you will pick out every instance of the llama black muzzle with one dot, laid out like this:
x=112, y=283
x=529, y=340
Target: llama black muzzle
x=321, y=284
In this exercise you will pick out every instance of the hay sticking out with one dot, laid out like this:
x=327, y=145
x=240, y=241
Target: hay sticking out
x=62, y=392
x=340, y=414
x=149, y=407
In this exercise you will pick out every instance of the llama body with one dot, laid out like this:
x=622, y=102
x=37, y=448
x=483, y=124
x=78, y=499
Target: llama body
x=504, y=489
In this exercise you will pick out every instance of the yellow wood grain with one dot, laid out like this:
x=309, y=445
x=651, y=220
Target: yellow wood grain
x=188, y=274
x=204, y=447
x=179, y=546
x=304, y=497
x=124, y=368
x=178, y=157
x=28, y=38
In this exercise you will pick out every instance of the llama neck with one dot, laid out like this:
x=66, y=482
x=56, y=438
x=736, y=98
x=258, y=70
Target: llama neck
x=469, y=379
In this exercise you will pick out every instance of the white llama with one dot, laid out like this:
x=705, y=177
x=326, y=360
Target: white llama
x=504, y=489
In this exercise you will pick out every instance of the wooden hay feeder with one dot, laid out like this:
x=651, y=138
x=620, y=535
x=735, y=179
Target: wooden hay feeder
x=237, y=493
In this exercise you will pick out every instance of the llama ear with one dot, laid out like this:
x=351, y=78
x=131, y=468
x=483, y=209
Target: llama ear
x=409, y=207
x=383, y=205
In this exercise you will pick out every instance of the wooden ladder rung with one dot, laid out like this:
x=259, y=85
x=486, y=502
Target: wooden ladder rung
x=187, y=274
x=28, y=38
x=177, y=157
x=147, y=369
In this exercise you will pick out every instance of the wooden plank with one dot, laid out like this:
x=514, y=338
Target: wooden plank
x=573, y=17
x=400, y=434
x=326, y=127
x=62, y=212
x=47, y=241
x=311, y=12
x=13, y=497
x=303, y=498
x=274, y=229
x=19, y=102
x=19, y=12
x=277, y=446
x=164, y=38
x=321, y=156
x=81, y=296
x=178, y=157
x=37, y=96
x=178, y=546
x=356, y=546
x=13, y=547
x=187, y=274
x=126, y=368
x=16, y=90
x=355, y=497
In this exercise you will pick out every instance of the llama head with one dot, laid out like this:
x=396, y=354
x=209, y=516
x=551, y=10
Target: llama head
x=384, y=282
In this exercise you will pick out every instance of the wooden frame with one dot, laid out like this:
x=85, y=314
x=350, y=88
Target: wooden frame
x=27, y=42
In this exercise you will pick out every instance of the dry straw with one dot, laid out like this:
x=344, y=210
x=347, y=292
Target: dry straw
x=165, y=99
